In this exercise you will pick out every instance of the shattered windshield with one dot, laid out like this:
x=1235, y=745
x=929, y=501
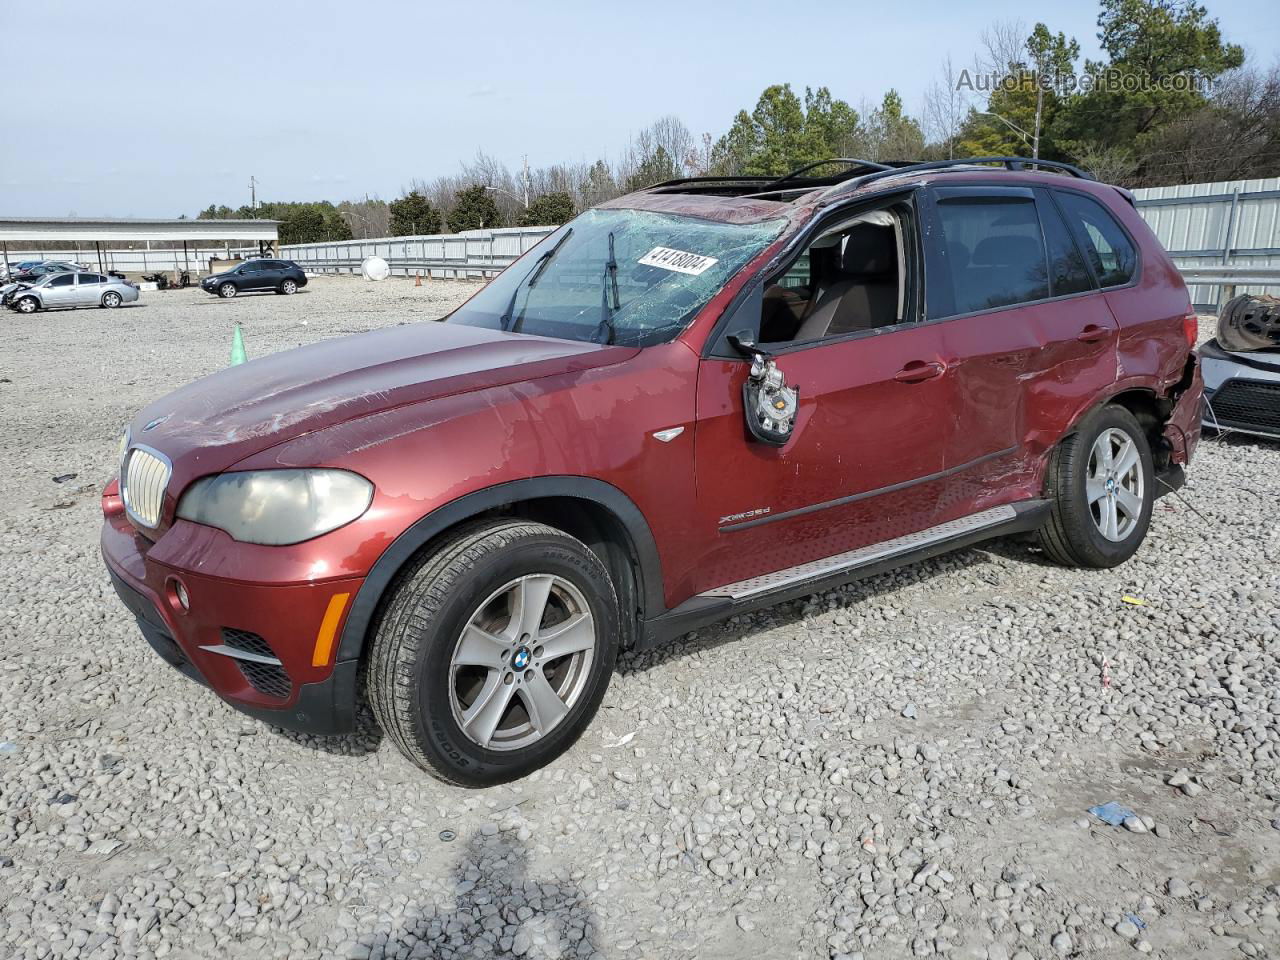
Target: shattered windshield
x=629, y=277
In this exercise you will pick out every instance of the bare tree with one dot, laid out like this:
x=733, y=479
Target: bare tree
x=370, y=217
x=1004, y=48
x=945, y=107
x=1108, y=163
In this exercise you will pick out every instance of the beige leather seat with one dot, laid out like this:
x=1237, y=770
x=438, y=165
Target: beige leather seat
x=864, y=295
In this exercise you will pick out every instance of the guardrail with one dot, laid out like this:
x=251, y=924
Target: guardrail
x=432, y=269
x=1235, y=275
x=1228, y=278
x=471, y=254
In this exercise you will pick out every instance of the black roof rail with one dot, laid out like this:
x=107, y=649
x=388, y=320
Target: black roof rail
x=851, y=161
x=1009, y=163
x=768, y=182
x=708, y=181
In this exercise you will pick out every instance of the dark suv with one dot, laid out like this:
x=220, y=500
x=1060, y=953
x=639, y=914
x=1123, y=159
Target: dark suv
x=702, y=398
x=278, y=276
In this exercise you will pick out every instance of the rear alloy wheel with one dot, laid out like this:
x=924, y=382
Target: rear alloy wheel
x=28, y=305
x=289, y=287
x=227, y=290
x=1100, y=484
x=111, y=299
x=1114, y=485
x=494, y=652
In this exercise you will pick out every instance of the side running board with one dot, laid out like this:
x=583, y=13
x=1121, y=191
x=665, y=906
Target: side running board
x=818, y=575
x=864, y=556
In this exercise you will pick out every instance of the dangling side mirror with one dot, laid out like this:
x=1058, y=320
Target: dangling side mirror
x=769, y=403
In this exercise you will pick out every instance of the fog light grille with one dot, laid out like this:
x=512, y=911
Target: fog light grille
x=269, y=679
x=1247, y=404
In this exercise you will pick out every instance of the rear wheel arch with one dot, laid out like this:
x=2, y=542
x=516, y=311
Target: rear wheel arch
x=595, y=512
x=1150, y=410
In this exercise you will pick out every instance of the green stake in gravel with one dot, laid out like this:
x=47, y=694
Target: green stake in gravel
x=237, y=347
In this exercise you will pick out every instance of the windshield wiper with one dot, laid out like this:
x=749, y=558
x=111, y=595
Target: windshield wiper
x=527, y=282
x=607, y=307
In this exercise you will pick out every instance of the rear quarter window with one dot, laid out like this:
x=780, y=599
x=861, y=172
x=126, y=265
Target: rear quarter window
x=1110, y=251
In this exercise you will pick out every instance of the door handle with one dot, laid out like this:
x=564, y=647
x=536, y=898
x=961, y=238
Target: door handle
x=1092, y=334
x=917, y=371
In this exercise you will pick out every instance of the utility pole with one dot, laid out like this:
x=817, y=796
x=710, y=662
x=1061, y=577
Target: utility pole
x=524, y=177
x=253, y=193
x=1035, y=141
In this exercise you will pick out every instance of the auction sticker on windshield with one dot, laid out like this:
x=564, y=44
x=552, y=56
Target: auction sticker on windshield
x=680, y=261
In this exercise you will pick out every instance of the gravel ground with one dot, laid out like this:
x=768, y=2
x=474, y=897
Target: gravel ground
x=898, y=768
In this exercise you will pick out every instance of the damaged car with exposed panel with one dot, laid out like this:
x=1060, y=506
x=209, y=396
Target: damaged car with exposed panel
x=1242, y=368
x=699, y=399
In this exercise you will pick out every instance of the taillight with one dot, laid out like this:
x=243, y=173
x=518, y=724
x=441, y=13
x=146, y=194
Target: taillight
x=1191, y=328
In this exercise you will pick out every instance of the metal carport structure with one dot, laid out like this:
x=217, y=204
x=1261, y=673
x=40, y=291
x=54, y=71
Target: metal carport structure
x=97, y=229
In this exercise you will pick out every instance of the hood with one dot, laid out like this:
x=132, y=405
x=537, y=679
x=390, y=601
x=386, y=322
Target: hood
x=213, y=423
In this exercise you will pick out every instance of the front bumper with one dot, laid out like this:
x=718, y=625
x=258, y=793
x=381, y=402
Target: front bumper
x=1242, y=391
x=287, y=618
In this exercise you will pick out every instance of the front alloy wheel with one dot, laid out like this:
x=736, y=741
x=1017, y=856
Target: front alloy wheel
x=494, y=651
x=522, y=662
x=227, y=290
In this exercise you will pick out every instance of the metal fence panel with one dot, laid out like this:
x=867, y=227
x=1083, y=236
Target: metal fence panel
x=1229, y=222
x=473, y=254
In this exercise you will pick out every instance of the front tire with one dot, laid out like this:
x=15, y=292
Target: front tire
x=28, y=305
x=111, y=300
x=227, y=291
x=1101, y=488
x=494, y=652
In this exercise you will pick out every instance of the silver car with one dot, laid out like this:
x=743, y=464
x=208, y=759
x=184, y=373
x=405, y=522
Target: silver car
x=70, y=290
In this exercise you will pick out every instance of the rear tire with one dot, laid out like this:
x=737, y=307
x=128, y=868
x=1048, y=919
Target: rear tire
x=111, y=299
x=479, y=713
x=289, y=287
x=1101, y=487
x=227, y=291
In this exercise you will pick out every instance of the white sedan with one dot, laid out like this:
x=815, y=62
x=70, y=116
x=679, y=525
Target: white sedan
x=70, y=290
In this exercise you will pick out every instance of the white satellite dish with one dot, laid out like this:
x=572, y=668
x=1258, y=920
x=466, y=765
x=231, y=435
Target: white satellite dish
x=375, y=268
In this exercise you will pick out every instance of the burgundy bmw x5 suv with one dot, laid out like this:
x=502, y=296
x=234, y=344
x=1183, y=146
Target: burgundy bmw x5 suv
x=708, y=396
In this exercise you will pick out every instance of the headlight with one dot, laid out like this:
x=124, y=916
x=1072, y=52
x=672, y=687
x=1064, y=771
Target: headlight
x=277, y=507
x=121, y=449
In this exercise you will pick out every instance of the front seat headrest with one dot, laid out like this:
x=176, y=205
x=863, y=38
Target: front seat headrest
x=869, y=250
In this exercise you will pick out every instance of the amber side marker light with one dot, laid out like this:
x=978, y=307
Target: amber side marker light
x=329, y=629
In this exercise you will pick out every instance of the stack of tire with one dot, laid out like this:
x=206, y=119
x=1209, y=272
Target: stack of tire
x=1249, y=323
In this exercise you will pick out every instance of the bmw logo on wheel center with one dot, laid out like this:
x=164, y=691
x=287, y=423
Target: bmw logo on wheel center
x=521, y=658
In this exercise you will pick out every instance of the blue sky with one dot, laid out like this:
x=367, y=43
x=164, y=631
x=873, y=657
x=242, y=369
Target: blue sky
x=156, y=109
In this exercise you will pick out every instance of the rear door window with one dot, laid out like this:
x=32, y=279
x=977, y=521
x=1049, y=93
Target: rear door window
x=89, y=278
x=1108, y=247
x=993, y=253
x=1067, y=271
